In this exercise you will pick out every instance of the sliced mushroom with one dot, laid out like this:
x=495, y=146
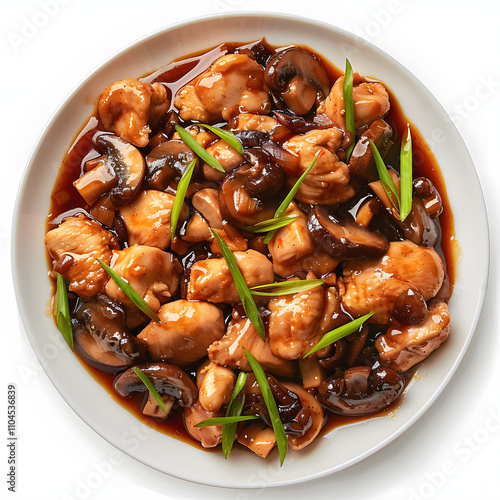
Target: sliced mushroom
x=301, y=125
x=336, y=358
x=206, y=201
x=151, y=409
x=238, y=206
x=125, y=161
x=361, y=165
x=262, y=177
x=98, y=180
x=102, y=337
x=344, y=240
x=166, y=161
x=317, y=416
x=419, y=226
x=425, y=190
x=299, y=77
x=311, y=372
x=167, y=379
x=361, y=391
x=295, y=421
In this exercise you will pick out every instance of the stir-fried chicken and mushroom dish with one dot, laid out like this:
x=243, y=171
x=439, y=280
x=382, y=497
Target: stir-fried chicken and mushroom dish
x=258, y=254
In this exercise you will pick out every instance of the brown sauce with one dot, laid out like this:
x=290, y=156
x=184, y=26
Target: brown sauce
x=65, y=200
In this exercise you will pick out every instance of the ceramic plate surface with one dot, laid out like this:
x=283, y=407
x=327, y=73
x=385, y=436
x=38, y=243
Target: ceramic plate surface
x=342, y=447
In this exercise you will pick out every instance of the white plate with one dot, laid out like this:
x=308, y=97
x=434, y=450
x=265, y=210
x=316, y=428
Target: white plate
x=340, y=448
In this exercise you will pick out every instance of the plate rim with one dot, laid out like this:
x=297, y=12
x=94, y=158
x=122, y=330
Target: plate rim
x=21, y=193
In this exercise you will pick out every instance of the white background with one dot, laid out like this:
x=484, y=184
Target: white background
x=452, y=452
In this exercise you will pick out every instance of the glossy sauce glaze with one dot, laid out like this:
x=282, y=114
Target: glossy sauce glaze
x=65, y=200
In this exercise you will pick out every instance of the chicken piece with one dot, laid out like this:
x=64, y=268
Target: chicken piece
x=125, y=106
x=375, y=285
x=318, y=262
x=293, y=250
x=151, y=272
x=211, y=280
x=226, y=155
x=261, y=123
x=291, y=242
x=328, y=181
x=216, y=387
x=209, y=436
x=228, y=351
x=233, y=84
x=371, y=102
x=294, y=322
x=147, y=218
x=197, y=229
x=160, y=103
x=184, y=333
x=403, y=346
x=74, y=247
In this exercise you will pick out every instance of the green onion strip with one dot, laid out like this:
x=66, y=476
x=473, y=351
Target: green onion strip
x=339, y=333
x=225, y=135
x=285, y=287
x=385, y=177
x=197, y=149
x=279, y=431
x=349, y=105
x=136, y=299
x=63, y=318
x=180, y=195
x=406, y=176
x=151, y=388
x=284, y=204
x=246, y=297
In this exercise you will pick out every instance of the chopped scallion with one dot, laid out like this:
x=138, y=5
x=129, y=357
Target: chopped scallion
x=246, y=297
x=136, y=299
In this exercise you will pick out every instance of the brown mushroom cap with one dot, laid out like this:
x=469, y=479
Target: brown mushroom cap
x=361, y=165
x=262, y=176
x=127, y=163
x=102, y=337
x=166, y=161
x=420, y=226
x=238, y=207
x=361, y=391
x=300, y=77
x=344, y=240
x=410, y=307
x=166, y=378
